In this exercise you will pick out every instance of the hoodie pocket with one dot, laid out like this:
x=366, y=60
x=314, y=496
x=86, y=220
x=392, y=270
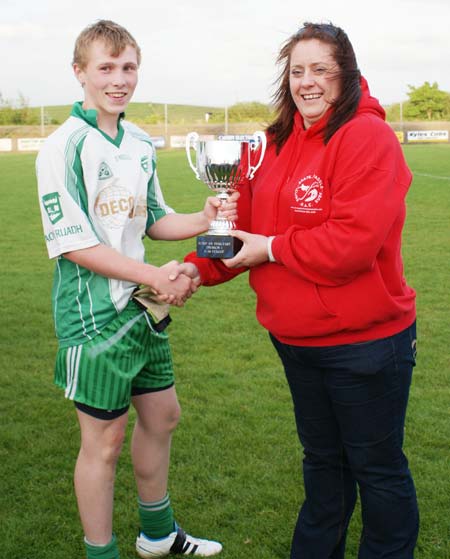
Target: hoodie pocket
x=289, y=306
x=365, y=301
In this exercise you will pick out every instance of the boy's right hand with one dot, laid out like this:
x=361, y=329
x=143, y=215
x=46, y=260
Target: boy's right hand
x=188, y=269
x=173, y=287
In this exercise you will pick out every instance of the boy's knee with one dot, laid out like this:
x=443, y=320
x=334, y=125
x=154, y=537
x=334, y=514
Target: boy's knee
x=173, y=417
x=112, y=445
x=168, y=419
x=165, y=421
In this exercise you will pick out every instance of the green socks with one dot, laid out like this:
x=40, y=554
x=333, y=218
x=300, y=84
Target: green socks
x=108, y=551
x=156, y=522
x=156, y=518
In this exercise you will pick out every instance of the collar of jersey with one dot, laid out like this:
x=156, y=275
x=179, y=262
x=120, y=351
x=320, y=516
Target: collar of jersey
x=90, y=116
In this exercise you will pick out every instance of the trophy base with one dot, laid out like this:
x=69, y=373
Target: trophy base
x=218, y=246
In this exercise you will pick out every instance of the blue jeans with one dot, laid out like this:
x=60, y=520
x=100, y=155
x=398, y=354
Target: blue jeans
x=350, y=405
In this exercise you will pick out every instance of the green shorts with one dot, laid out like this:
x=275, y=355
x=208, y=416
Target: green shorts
x=128, y=355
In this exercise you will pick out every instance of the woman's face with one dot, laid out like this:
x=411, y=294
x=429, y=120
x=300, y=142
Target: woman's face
x=312, y=79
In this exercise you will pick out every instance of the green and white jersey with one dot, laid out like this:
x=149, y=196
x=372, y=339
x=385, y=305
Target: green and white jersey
x=92, y=190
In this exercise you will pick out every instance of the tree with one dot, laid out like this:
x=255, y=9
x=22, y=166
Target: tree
x=245, y=112
x=427, y=102
x=393, y=112
x=16, y=113
x=6, y=111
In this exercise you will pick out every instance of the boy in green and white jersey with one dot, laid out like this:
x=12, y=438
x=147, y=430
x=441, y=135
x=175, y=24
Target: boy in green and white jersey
x=95, y=189
x=100, y=195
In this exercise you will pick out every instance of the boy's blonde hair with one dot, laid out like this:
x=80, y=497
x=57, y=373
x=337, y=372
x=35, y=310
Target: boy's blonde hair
x=116, y=37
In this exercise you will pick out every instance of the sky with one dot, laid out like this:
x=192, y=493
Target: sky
x=216, y=52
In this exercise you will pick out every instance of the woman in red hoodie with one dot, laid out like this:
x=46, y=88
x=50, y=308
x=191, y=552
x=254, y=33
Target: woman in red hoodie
x=321, y=224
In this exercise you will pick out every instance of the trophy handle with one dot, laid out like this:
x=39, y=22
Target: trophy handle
x=192, y=138
x=262, y=138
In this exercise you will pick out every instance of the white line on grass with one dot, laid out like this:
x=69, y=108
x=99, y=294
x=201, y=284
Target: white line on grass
x=431, y=176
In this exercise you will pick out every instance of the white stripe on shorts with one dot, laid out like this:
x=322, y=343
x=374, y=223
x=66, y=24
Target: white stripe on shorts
x=72, y=368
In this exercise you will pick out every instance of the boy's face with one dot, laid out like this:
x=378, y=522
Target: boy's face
x=108, y=81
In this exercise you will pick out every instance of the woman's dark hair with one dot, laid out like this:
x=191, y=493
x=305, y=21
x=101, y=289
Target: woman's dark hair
x=344, y=106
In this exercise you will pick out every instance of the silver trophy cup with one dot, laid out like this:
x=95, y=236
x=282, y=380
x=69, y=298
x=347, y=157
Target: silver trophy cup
x=222, y=164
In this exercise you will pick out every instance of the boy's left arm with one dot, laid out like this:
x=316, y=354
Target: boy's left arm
x=175, y=227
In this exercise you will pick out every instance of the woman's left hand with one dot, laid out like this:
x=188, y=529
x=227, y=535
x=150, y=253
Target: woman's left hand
x=252, y=253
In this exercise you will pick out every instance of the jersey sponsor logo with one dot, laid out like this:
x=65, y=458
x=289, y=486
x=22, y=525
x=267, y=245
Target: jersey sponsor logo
x=52, y=206
x=115, y=204
x=144, y=163
x=104, y=172
x=308, y=194
x=63, y=232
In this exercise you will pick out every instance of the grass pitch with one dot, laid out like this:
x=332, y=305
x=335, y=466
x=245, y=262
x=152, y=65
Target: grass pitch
x=235, y=471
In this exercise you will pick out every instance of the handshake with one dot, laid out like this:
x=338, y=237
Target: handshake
x=173, y=284
x=177, y=283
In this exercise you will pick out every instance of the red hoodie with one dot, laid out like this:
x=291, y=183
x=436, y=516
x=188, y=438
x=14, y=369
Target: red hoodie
x=337, y=213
